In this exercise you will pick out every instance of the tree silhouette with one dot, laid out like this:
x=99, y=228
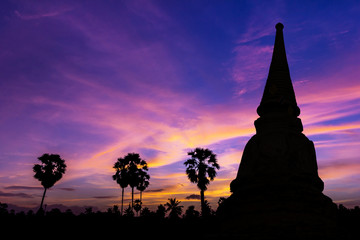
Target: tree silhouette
x=121, y=177
x=89, y=211
x=114, y=210
x=191, y=213
x=131, y=170
x=129, y=212
x=3, y=209
x=201, y=169
x=145, y=212
x=143, y=183
x=137, y=206
x=135, y=166
x=207, y=211
x=173, y=208
x=161, y=211
x=50, y=171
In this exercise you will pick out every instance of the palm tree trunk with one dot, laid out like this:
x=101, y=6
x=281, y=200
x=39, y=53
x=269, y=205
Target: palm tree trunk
x=42, y=200
x=132, y=197
x=141, y=196
x=122, y=201
x=202, y=195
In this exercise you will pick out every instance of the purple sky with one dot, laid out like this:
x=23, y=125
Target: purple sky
x=94, y=80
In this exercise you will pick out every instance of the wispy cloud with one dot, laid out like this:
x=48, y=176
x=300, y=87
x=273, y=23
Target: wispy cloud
x=26, y=16
x=252, y=54
x=339, y=169
x=67, y=189
x=105, y=197
x=19, y=195
x=24, y=188
x=251, y=65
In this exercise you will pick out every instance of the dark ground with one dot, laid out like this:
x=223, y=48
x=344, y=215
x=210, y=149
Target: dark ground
x=107, y=225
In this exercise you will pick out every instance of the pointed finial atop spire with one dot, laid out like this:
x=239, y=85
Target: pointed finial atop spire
x=279, y=26
x=279, y=96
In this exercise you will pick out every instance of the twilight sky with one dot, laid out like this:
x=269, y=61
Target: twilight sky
x=94, y=80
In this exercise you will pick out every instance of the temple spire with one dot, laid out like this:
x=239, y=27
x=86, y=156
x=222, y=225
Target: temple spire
x=278, y=96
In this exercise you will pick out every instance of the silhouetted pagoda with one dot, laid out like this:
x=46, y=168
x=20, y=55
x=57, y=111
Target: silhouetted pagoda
x=277, y=193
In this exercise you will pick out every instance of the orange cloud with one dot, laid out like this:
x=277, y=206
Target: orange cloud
x=337, y=171
x=312, y=130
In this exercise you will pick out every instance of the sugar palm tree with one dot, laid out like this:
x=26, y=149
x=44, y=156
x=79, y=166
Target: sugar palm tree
x=201, y=169
x=137, y=206
x=173, y=207
x=143, y=182
x=135, y=166
x=49, y=171
x=121, y=177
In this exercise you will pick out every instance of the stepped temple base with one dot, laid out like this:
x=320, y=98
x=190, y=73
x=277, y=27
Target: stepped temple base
x=279, y=214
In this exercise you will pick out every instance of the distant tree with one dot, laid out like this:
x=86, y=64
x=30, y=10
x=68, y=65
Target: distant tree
x=69, y=213
x=129, y=212
x=3, y=209
x=191, y=213
x=89, y=211
x=137, y=206
x=109, y=211
x=30, y=213
x=145, y=212
x=173, y=208
x=161, y=211
x=207, y=211
x=201, y=169
x=49, y=171
x=114, y=210
x=55, y=212
x=143, y=182
x=121, y=167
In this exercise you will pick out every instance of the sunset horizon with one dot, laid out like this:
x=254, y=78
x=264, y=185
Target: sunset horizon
x=93, y=82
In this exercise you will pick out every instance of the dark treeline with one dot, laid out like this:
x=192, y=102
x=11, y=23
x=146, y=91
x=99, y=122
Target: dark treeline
x=349, y=222
x=168, y=219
